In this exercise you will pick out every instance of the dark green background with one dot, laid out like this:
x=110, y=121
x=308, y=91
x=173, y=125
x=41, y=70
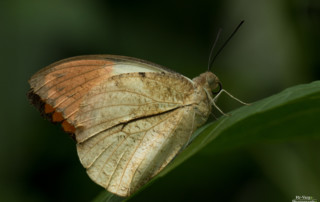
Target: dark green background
x=277, y=47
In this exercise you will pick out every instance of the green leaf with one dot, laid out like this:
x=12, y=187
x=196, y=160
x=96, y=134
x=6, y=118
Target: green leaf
x=108, y=197
x=293, y=113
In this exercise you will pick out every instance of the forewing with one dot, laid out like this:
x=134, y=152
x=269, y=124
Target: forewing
x=60, y=87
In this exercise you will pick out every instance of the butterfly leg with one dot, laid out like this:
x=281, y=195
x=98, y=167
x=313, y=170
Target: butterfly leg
x=222, y=90
x=214, y=100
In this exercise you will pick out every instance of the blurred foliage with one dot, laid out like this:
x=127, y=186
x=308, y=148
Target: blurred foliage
x=277, y=47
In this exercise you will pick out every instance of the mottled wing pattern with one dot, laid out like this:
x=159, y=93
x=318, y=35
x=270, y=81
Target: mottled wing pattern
x=131, y=125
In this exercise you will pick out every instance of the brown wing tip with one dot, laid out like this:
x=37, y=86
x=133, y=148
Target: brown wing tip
x=39, y=104
x=50, y=113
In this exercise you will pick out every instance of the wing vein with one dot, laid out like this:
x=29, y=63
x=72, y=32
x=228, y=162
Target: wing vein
x=114, y=150
x=131, y=76
x=115, y=168
x=119, y=105
x=162, y=144
x=72, y=77
x=145, y=153
x=103, y=138
x=57, y=104
x=121, y=131
x=132, y=93
x=49, y=81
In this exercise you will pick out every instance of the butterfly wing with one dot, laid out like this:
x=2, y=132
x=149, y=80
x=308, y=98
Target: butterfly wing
x=131, y=125
x=58, y=89
x=130, y=117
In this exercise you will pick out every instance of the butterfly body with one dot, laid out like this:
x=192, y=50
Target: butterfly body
x=129, y=117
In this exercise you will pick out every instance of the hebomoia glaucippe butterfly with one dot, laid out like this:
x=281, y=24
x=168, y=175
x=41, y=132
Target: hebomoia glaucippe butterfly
x=129, y=117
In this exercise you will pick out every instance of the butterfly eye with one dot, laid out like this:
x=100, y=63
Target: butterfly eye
x=219, y=88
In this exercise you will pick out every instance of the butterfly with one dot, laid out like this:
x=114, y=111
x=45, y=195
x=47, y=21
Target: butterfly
x=129, y=117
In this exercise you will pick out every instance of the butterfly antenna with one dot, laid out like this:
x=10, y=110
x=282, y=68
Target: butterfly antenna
x=212, y=59
x=211, y=52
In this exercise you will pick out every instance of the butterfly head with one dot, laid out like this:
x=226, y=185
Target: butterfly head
x=213, y=82
x=209, y=81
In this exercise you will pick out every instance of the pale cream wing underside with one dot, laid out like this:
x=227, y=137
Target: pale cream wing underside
x=131, y=126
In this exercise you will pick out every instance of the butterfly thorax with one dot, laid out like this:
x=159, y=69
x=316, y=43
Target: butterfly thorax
x=204, y=85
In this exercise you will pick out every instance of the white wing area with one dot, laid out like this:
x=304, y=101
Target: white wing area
x=131, y=125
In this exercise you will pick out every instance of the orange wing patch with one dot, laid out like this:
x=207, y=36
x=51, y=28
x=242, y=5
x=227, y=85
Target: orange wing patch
x=67, y=127
x=48, y=109
x=58, y=89
x=57, y=117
